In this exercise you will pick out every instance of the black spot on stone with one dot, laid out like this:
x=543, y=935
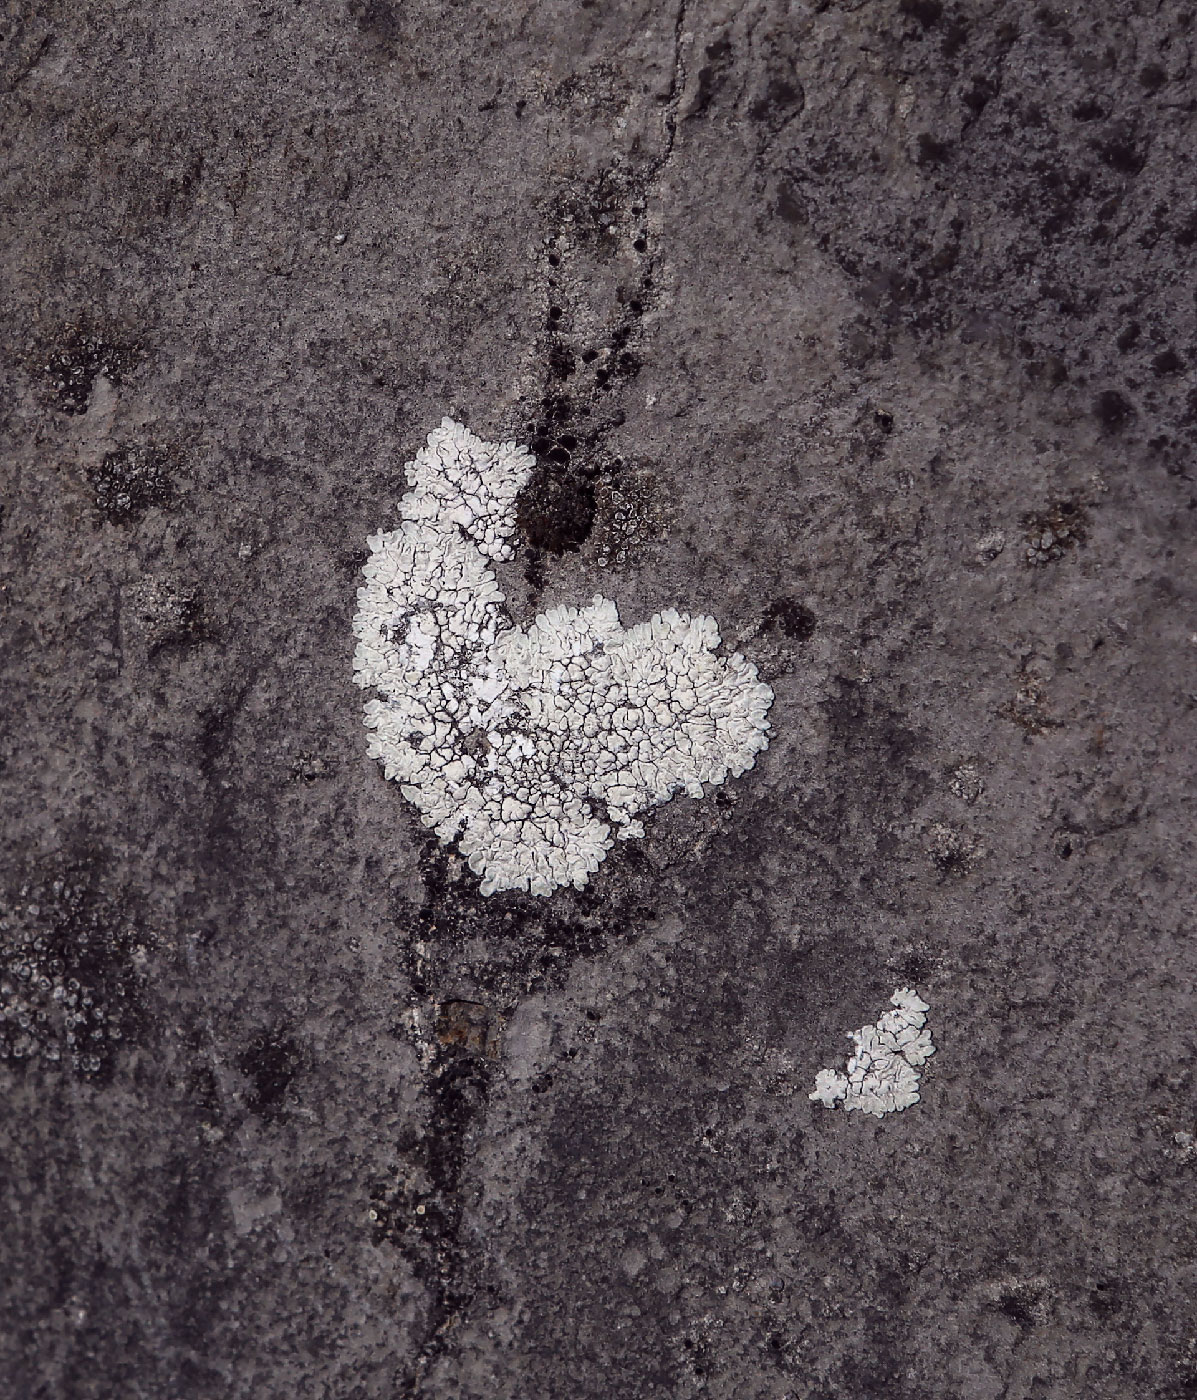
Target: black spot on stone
x=1106, y=1298
x=70, y=991
x=270, y=1062
x=1022, y=1303
x=1152, y=77
x=955, y=38
x=927, y=12
x=790, y=617
x=781, y=101
x=1121, y=151
x=1128, y=338
x=1167, y=362
x=931, y=151
x=711, y=75
x=1112, y=410
x=131, y=480
x=375, y=20
x=979, y=96
x=1088, y=110
x=555, y=510
x=790, y=206
x=561, y=362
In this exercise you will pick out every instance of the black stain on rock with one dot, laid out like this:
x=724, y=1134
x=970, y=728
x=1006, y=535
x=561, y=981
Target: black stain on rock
x=791, y=618
x=271, y=1062
x=555, y=510
x=419, y=1208
x=927, y=12
x=1112, y=410
x=717, y=57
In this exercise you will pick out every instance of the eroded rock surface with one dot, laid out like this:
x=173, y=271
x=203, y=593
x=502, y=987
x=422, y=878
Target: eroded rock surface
x=866, y=328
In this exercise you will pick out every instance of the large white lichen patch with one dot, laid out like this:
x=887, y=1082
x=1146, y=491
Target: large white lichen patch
x=531, y=746
x=882, y=1075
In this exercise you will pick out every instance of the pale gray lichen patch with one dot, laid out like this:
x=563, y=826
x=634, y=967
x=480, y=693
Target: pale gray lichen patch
x=882, y=1075
x=530, y=746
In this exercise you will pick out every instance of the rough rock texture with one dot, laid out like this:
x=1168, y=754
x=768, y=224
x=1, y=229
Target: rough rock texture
x=867, y=327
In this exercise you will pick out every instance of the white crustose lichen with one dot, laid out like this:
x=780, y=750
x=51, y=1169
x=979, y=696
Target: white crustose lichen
x=530, y=745
x=882, y=1075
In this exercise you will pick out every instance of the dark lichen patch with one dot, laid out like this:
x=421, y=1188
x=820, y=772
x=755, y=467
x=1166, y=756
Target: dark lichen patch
x=521, y=942
x=878, y=752
x=271, y=1062
x=928, y=13
x=789, y=618
x=71, y=990
x=130, y=481
x=1028, y=709
x=594, y=211
x=712, y=73
x=1050, y=533
x=164, y=613
x=953, y=853
x=629, y=513
x=1024, y=1303
x=69, y=366
x=555, y=511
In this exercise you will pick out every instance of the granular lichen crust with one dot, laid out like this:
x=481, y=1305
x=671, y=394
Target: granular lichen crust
x=529, y=745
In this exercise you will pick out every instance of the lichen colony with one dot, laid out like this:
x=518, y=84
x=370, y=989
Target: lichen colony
x=534, y=748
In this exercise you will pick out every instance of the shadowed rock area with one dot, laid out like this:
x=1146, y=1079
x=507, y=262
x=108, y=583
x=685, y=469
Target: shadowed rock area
x=867, y=327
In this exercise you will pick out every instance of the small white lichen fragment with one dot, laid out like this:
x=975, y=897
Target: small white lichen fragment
x=882, y=1073
x=528, y=745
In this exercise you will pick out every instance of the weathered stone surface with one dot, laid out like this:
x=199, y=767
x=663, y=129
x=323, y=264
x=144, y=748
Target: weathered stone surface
x=867, y=327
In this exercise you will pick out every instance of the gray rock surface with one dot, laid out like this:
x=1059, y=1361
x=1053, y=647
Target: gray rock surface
x=866, y=326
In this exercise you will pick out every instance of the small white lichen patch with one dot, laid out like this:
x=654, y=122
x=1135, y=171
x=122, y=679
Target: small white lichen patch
x=529, y=746
x=882, y=1074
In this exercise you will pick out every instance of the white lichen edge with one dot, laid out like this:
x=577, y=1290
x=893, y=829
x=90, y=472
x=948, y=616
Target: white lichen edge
x=506, y=738
x=882, y=1073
